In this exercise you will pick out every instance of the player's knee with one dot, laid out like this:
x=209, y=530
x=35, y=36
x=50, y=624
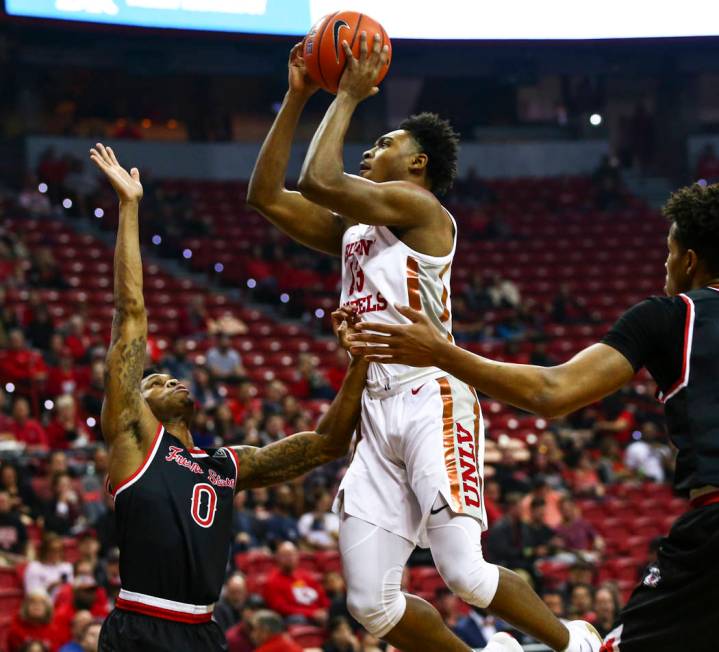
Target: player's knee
x=377, y=609
x=475, y=583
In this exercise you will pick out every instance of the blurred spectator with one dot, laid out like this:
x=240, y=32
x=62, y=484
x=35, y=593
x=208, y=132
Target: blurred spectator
x=67, y=430
x=91, y=637
x=311, y=383
x=33, y=623
x=77, y=338
x=177, y=363
x=507, y=540
x=281, y=525
x=81, y=183
x=319, y=528
x=196, y=317
x=205, y=393
x=66, y=377
x=105, y=524
x=228, y=610
x=88, y=551
x=541, y=539
x=244, y=525
x=224, y=362
x=555, y=601
x=607, y=608
x=551, y=498
x=577, y=535
x=92, y=396
x=275, y=392
x=19, y=363
x=80, y=622
x=581, y=603
x=334, y=585
x=274, y=429
x=268, y=634
x=22, y=496
x=568, y=308
x=509, y=477
x=620, y=419
x=292, y=592
x=608, y=185
x=32, y=201
x=246, y=403
x=477, y=627
x=238, y=637
x=40, y=328
x=341, y=638
x=449, y=607
x=5, y=419
x=110, y=574
x=93, y=485
x=540, y=357
x=45, y=271
x=52, y=169
x=62, y=511
x=649, y=458
x=504, y=293
x=13, y=535
x=27, y=430
x=708, y=165
x=83, y=594
x=584, y=479
x=227, y=325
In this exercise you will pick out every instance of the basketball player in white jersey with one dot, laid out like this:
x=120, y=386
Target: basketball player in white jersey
x=416, y=475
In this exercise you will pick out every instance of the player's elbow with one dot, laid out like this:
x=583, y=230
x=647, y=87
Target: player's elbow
x=316, y=187
x=547, y=400
x=334, y=448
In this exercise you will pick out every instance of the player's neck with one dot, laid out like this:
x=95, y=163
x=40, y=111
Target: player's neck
x=180, y=429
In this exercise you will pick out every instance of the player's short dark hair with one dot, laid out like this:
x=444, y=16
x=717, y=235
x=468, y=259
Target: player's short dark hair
x=694, y=212
x=440, y=142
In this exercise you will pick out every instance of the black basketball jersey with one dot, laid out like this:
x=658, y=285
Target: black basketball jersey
x=677, y=339
x=174, y=519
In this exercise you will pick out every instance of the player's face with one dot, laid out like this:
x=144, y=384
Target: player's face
x=166, y=396
x=390, y=158
x=677, y=279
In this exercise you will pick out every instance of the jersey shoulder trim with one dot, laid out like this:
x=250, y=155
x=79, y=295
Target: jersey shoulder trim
x=235, y=461
x=683, y=380
x=143, y=467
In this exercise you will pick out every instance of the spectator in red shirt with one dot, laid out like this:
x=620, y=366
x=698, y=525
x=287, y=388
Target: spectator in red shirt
x=84, y=594
x=33, y=623
x=27, y=430
x=65, y=378
x=67, y=430
x=19, y=363
x=292, y=592
x=268, y=634
x=77, y=338
x=238, y=636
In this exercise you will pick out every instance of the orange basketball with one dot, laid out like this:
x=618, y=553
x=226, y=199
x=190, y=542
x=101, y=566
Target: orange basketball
x=323, y=52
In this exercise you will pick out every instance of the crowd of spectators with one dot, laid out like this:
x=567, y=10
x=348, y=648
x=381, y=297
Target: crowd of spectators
x=57, y=524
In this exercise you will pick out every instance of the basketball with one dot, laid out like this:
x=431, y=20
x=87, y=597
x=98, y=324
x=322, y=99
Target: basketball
x=323, y=52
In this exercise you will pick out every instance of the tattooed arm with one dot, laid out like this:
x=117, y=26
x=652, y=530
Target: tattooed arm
x=127, y=422
x=300, y=453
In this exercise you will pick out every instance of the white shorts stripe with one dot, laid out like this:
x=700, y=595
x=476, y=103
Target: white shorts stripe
x=170, y=605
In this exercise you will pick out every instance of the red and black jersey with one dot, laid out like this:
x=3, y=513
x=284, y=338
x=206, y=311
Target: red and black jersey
x=677, y=340
x=174, y=517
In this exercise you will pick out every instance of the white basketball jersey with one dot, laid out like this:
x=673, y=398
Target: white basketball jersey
x=378, y=271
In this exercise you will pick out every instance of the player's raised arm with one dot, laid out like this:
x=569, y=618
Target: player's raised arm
x=127, y=421
x=589, y=376
x=297, y=454
x=304, y=221
x=323, y=179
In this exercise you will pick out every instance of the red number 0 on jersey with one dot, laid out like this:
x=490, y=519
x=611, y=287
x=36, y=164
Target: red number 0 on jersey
x=208, y=508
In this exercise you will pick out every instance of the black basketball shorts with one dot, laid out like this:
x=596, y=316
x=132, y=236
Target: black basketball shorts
x=125, y=631
x=676, y=606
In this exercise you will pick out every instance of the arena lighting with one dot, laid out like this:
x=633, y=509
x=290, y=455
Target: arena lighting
x=251, y=283
x=49, y=405
x=187, y=253
x=595, y=119
x=319, y=313
x=531, y=439
x=67, y=203
x=91, y=422
x=636, y=435
x=9, y=388
x=146, y=123
x=42, y=188
x=284, y=297
x=703, y=183
x=219, y=267
x=99, y=212
x=156, y=239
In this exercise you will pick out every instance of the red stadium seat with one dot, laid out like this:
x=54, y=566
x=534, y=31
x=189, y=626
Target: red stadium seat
x=308, y=636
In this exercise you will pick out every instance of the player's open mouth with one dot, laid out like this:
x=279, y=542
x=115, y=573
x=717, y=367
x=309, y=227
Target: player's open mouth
x=181, y=388
x=364, y=167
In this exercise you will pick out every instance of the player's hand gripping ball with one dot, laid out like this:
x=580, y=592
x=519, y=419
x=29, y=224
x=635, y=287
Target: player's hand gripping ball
x=324, y=55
